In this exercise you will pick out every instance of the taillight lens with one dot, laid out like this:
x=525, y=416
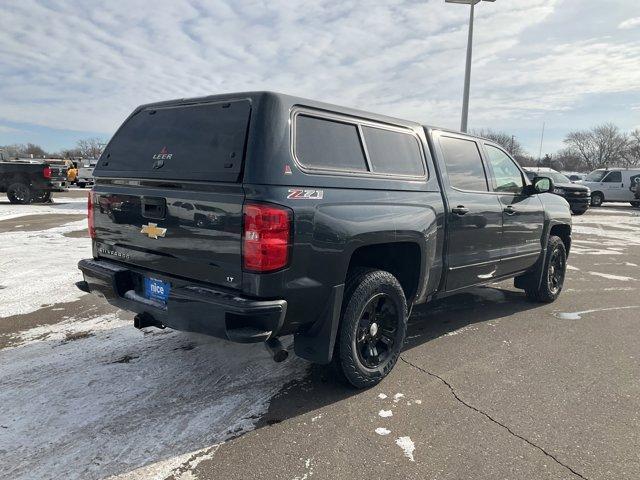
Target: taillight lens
x=266, y=237
x=46, y=172
x=92, y=228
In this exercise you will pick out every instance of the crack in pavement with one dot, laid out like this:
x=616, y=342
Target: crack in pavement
x=477, y=410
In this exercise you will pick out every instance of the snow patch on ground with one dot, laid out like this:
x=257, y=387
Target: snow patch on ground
x=578, y=315
x=608, y=276
x=397, y=397
x=407, y=446
x=38, y=268
x=382, y=396
x=383, y=431
x=120, y=402
x=385, y=413
x=61, y=205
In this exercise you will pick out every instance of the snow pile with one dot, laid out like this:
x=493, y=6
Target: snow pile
x=90, y=399
x=61, y=205
x=38, y=268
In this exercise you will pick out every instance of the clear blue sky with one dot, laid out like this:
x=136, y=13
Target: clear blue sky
x=73, y=69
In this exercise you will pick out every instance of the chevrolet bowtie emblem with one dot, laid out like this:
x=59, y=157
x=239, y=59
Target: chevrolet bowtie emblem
x=153, y=231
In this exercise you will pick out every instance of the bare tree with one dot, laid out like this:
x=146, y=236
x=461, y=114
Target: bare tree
x=632, y=154
x=90, y=147
x=22, y=150
x=507, y=141
x=601, y=146
x=569, y=160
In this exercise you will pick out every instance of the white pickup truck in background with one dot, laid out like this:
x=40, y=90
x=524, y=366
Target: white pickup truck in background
x=85, y=172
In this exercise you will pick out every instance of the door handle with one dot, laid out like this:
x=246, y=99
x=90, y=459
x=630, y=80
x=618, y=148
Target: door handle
x=460, y=210
x=509, y=210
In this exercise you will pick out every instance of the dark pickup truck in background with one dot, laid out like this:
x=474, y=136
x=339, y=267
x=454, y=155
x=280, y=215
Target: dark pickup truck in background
x=27, y=181
x=323, y=222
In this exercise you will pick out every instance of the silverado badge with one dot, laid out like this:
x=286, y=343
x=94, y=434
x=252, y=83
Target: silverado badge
x=153, y=231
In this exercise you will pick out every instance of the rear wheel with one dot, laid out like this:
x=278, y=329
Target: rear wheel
x=19, y=193
x=372, y=328
x=553, y=272
x=635, y=204
x=578, y=212
x=596, y=199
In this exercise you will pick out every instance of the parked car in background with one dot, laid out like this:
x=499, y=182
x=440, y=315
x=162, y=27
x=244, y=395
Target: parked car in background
x=85, y=173
x=323, y=222
x=27, y=180
x=613, y=185
x=577, y=195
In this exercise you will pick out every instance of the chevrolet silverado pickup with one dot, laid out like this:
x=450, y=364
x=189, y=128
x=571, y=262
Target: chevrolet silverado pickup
x=252, y=216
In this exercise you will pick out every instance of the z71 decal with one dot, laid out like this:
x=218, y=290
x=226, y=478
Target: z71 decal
x=301, y=194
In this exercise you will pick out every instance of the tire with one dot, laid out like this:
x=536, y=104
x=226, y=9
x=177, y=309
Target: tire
x=372, y=329
x=19, y=193
x=635, y=204
x=553, y=273
x=596, y=199
x=41, y=196
x=82, y=184
x=578, y=212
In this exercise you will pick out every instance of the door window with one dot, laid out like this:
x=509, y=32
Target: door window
x=506, y=175
x=613, y=177
x=464, y=164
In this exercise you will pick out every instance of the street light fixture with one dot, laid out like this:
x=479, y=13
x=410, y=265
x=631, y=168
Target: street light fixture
x=467, y=72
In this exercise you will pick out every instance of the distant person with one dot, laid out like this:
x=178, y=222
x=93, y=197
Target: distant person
x=72, y=173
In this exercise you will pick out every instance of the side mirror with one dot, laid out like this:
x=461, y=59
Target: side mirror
x=542, y=185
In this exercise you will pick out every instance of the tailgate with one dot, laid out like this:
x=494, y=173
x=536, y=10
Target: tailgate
x=190, y=234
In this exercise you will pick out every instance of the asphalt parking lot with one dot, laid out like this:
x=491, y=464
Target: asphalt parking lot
x=489, y=386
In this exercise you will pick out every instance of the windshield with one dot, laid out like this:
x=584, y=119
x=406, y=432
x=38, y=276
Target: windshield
x=555, y=176
x=595, y=176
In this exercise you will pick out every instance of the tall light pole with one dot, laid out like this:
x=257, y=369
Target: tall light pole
x=467, y=72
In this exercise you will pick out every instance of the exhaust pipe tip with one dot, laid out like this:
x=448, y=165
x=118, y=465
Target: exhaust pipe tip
x=143, y=320
x=277, y=351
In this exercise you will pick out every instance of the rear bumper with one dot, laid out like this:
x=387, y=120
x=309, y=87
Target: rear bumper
x=190, y=307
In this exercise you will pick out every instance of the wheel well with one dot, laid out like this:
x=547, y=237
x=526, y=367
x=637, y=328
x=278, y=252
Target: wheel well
x=598, y=192
x=564, y=232
x=401, y=259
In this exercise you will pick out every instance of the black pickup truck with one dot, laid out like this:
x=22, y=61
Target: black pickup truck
x=321, y=221
x=27, y=181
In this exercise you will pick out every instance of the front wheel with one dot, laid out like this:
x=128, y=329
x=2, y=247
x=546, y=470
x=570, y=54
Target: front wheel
x=372, y=328
x=578, y=212
x=553, y=272
x=596, y=199
x=635, y=204
x=41, y=196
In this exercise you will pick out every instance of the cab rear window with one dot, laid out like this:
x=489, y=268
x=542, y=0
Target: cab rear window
x=197, y=142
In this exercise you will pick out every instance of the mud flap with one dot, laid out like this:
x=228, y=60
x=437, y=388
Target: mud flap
x=317, y=344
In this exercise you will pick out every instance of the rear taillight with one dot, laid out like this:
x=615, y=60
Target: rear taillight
x=92, y=228
x=266, y=237
x=46, y=172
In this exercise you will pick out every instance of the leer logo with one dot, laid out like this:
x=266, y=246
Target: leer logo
x=153, y=231
x=163, y=155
